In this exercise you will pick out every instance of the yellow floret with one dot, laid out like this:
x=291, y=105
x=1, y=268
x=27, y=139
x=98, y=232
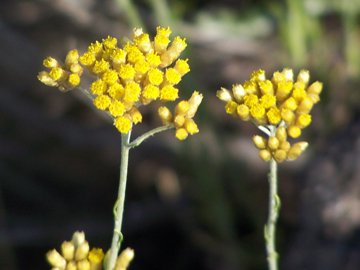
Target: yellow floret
x=132, y=92
x=44, y=77
x=258, y=75
x=257, y=111
x=294, y=131
x=288, y=116
x=123, y=124
x=250, y=87
x=110, y=76
x=135, y=115
x=191, y=127
x=72, y=57
x=172, y=76
x=102, y=102
x=303, y=120
x=283, y=90
x=153, y=59
x=95, y=47
x=251, y=100
x=133, y=53
x=163, y=31
x=181, y=134
x=268, y=101
x=274, y=116
x=96, y=256
x=243, y=112
x=87, y=59
x=126, y=72
x=266, y=87
x=160, y=43
x=116, y=91
x=298, y=93
x=110, y=42
x=151, y=92
x=56, y=73
x=169, y=93
x=231, y=107
x=155, y=76
x=74, y=80
x=290, y=104
x=182, y=107
x=141, y=67
x=50, y=62
x=118, y=56
x=100, y=66
x=98, y=87
x=182, y=66
x=143, y=42
x=116, y=108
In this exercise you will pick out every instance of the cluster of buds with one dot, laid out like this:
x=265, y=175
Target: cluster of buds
x=280, y=107
x=76, y=255
x=183, y=116
x=137, y=73
x=64, y=76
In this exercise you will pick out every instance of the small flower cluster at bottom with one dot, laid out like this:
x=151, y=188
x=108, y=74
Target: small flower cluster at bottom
x=76, y=255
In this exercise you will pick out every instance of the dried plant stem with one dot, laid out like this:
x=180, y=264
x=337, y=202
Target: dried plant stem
x=270, y=228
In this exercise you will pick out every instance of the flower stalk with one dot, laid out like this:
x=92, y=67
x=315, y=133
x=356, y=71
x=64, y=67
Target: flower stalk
x=274, y=207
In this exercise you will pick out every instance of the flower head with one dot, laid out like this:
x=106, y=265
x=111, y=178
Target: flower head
x=279, y=106
x=139, y=72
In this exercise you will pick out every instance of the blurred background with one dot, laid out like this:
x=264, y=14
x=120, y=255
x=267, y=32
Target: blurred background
x=199, y=204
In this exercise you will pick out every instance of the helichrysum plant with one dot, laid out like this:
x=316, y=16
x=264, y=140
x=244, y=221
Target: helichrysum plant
x=280, y=107
x=127, y=77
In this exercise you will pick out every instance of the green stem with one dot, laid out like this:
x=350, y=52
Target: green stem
x=148, y=134
x=119, y=205
x=270, y=228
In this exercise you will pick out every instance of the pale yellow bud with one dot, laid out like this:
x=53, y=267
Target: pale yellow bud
x=259, y=141
x=288, y=73
x=55, y=259
x=280, y=155
x=285, y=145
x=296, y=150
x=315, y=98
x=281, y=134
x=265, y=155
x=304, y=76
x=165, y=115
x=78, y=238
x=124, y=259
x=71, y=57
x=50, y=62
x=71, y=265
x=294, y=131
x=288, y=116
x=224, y=95
x=181, y=134
x=82, y=251
x=44, y=77
x=194, y=102
x=305, y=106
x=68, y=250
x=273, y=143
x=179, y=120
x=315, y=88
x=191, y=127
x=83, y=265
x=182, y=107
x=238, y=92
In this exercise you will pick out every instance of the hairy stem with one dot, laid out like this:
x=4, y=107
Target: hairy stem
x=119, y=205
x=270, y=228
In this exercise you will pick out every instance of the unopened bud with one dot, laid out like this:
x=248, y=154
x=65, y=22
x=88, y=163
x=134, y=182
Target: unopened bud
x=265, y=155
x=165, y=115
x=78, y=238
x=296, y=150
x=224, y=95
x=315, y=88
x=294, y=131
x=281, y=134
x=124, y=259
x=71, y=265
x=55, y=259
x=280, y=155
x=50, y=62
x=82, y=251
x=194, y=102
x=182, y=107
x=285, y=145
x=273, y=143
x=304, y=76
x=191, y=126
x=259, y=141
x=238, y=92
x=68, y=250
x=179, y=120
x=305, y=106
x=83, y=265
x=288, y=73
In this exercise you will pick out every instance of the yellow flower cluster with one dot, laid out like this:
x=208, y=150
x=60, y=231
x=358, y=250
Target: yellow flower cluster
x=64, y=76
x=75, y=255
x=139, y=72
x=183, y=116
x=271, y=104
